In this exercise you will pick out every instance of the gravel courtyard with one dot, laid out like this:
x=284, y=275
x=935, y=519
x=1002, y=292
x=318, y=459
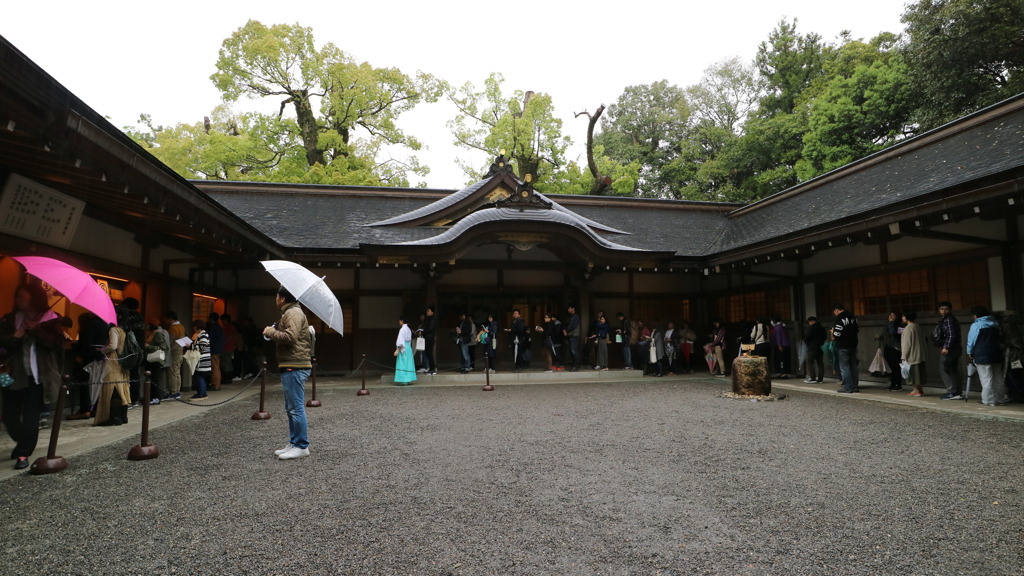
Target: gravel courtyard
x=651, y=477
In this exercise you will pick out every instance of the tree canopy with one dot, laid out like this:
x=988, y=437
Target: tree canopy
x=963, y=55
x=800, y=107
x=324, y=99
x=522, y=125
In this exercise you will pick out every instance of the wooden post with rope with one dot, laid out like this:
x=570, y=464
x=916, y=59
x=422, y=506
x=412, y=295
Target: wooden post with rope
x=363, y=391
x=52, y=462
x=262, y=414
x=145, y=450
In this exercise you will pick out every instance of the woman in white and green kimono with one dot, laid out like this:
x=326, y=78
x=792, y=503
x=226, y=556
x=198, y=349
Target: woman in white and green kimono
x=405, y=365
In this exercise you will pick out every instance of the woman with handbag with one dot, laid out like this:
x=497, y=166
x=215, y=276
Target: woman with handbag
x=405, y=366
x=158, y=351
x=200, y=347
x=890, y=343
x=912, y=353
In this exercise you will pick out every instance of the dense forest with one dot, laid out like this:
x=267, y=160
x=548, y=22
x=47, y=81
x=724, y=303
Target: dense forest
x=800, y=108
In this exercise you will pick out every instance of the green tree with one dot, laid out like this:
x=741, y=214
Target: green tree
x=522, y=125
x=331, y=97
x=866, y=106
x=963, y=55
x=791, y=70
x=644, y=127
x=255, y=147
x=721, y=103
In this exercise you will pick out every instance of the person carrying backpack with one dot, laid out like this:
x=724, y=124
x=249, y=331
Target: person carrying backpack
x=130, y=320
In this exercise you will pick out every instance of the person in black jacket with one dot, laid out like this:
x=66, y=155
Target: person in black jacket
x=429, y=329
x=518, y=340
x=572, y=337
x=130, y=319
x=814, y=338
x=844, y=334
x=889, y=340
x=465, y=333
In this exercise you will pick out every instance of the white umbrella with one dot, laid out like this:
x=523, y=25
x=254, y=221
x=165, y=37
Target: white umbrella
x=310, y=290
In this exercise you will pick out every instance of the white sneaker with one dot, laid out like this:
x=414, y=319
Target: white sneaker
x=283, y=450
x=422, y=370
x=810, y=381
x=294, y=452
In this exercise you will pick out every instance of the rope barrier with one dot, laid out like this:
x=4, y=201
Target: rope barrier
x=164, y=392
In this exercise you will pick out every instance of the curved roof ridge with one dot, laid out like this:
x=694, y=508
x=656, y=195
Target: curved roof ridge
x=435, y=206
x=584, y=219
x=505, y=214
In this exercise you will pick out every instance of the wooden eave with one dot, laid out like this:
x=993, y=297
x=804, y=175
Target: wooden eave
x=49, y=136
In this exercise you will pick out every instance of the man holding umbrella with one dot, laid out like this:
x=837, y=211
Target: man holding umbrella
x=294, y=344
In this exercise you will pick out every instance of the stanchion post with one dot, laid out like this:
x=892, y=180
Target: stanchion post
x=313, y=402
x=487, y=373
x=52, y=462
x=143, y=450
x=262, y=414
x=363, y=391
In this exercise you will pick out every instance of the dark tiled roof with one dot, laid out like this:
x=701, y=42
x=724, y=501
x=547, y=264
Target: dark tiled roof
x=918, y=170
x=322, y=221
x=688, y=229
x=893, y=181
x=434, y=207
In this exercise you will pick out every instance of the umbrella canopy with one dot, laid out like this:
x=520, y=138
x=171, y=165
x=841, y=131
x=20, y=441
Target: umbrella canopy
x=310, y=290
x=77, y=286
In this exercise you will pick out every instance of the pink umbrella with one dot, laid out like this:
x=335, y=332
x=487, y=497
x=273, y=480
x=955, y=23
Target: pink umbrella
x=76, y=285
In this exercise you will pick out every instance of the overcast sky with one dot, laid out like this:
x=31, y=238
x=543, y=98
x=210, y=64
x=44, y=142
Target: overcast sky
x=127, y=57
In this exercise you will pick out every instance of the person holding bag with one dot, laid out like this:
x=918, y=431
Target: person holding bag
x=158, y=350
x=890, y=344
x=405, y=366
x=912, y=353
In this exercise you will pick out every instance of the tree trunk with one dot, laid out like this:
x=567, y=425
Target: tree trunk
x=601, y=182
x=750, y=376
x=308, y=128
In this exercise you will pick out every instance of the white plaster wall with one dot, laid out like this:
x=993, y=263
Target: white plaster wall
x=102, y=241
x=842, y=258
x=911, y=248
x=810, y=302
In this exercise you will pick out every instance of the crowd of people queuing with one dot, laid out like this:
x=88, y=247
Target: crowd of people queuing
x=107, y=363
x=560, y=343
x=993, y=348
x=35, y=350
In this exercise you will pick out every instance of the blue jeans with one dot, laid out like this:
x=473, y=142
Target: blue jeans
x=574, y=350
x=293, y=382
x=627, y=355
x=201, y=383
x=848, y=368
x=464, y=349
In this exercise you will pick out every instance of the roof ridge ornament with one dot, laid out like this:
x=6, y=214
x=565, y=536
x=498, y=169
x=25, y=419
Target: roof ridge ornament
x=524, y=197
x=500, y=164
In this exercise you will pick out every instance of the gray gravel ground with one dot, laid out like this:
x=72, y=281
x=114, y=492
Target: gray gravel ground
x=652, y=477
